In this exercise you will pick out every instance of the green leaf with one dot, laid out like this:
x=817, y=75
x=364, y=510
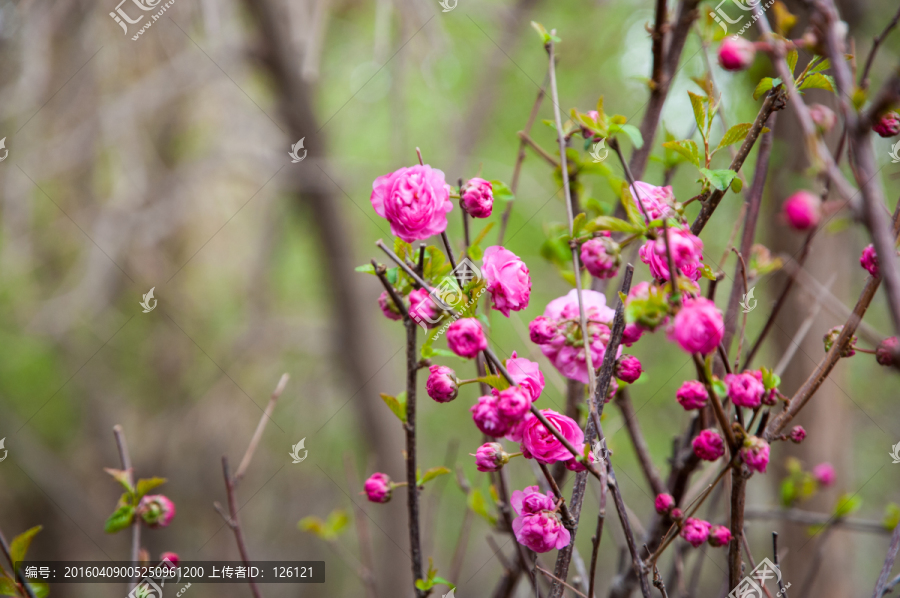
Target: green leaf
x=735, y=134
x=633, y=133
x=846, y=505
x=578, y=223
x=19, y=545
x=337, y=521
x=737, y=184
x=397, y=404
x=545, y=35
x=568, y=276
x=788, y=492
x=478, y=505
x=891, y=516
x=441, y=581
x=720, y=179
x=404, y=249
x=8, y=587
x=612, y=224
x=502, y=191
x=431, y=474
x=631, y=207
x=366, y=268
x=121, y=476
x=818, y=81
x=686, y=148
x=495, y=381
x=820, y=66
x=424, y=584
x=791, y=58
x=475, y=252
x=119, y=520
x=145, y=486
x=707, y=272
x=40, y=589
x=699, y=104
x=765, y=85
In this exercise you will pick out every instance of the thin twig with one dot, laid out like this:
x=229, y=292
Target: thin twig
x=415, y=540
x=4, y=545
x=236, y=527
x=888, y=563
x=558, y=580
x=125, y=458
x=260, y=428
x=538, y=149
x=876, y=44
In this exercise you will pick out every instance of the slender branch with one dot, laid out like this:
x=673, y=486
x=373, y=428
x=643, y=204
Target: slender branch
x=415, y=540
x=125, y=458
x=623, y=402
x=567, y=516
x=558, y=580
x=888, y=563
x=783, y=591
x=816, y=519
x=538, y=149
x=601, y=519
x=876, y=44
x=260, y=427
x=236, y=523
x=716, y=403
x=738, y=497
x=4, y=545
x=392, y=292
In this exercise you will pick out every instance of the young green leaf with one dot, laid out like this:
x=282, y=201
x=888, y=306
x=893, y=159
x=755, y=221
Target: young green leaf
x=546, y=36
x=502, y=191
x=818, y=81
x=8, y=587
x=397, y=407
x=578, y=223
x=686, y=148
x=846, y=505
x=119, y=520
x=121, y=476
x=145, y=486
x=699, y=104
x=495, y=381
x=40, y=589
x=431, y=474
x=791, y=58
x=479, y=506
x=720, y=179
x=891, y=516
x=19, y=545
x=735, y=134
x=633, y=133
x=612, y=224
x=366, y=268
x=765, y=85
x=631, y=207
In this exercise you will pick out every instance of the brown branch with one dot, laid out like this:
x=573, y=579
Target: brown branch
x=623, y=402
x=558, y=580
x=817, y=519
x=260, y=427
x=888, y=563
x=738, y=497
x=716, y=403
x=236, y=523
x=125, y=458
x=415, y=540
x=876, y=44
x=601, y=519
x=538, y=149
x=567, y=516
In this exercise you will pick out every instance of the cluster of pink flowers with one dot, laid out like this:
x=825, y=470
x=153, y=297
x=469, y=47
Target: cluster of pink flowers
x=686, y=250
x=538, y=525
x=698, y=531
x=503, y=412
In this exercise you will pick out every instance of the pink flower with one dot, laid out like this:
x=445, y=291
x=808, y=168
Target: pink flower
x=698, y=327
x=695, y=531
x=745, y=390
x=628, y=368
x=487, y=416
x=478, y=197
x=513, y=403
x=886, y=351
x=169, y=559
x=687, y=253
x=527, y=375
x=676, y=514
x=869, y=260
x=888, y=125
x=514, y=433
x=657, y=201
x=755, y=454
x=803, y=210
x=490, y=456
x=664, y=503
x=719, y=535
x=541, y=532
x=600, y=256
x=708, y=445
x=736, y=54
x=378, y=488
x=824, y=474
x=156, y=510
x=692, y=395
x=441, y=384
x=797, y=434
x=631, y=334
x=540, y=444
x=541, y=330
x=422, y=308
x=388, y=308
x=577, y=466
x=587, y=133
x=414, y=200
x=565, y=350
x=531, y=501
x=507, y=279
x=466, y=338
x=823, y=117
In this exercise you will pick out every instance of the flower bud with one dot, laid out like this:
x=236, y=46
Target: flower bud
x=708, y=445
x=664, y=503
x=466, y=338
x=388, y=307
x=869, y=260
x=802, y=210
x=831, y=337
x=797, y=434
x=169, y=559
x=378, y=488
x=755, y=454
x=823, y=117
x=719, y=535
x=490, y=456
x=156, y=510
x=542, y=330
x=824, y=474
x=888, y=125
x=513, y=403
x=695, y=531
x=442, y=385
x=692, y=395
x=886, y=351
x=736, y=54
x=628, y=368
x=601, y=256
x=676, y=514
x=478, y=197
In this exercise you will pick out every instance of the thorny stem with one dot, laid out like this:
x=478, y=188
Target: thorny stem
x=122, y=445
x=235, y=523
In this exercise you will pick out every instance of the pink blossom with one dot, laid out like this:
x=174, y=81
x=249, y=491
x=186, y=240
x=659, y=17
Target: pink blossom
x=587, y=133
x=388, y=307
x=169, y=559
x=888, y=125
x=802, y=210
x=156, y=510
x=442, y=384
x=415, y=200
x=541, y=532
x=487, y=417
x=541, y=330
x=531, y=501
x=507, y=279
x=628, y=368
x=698, y=326
x=612, y=391
x=708, y=445
x=664, y=503
x=676, y=514
x=422, y=308
x=490, y=456
x=515, y=430
x=575, y=465
x=745, y=390
x=466, y=338
x=513, y=403
x=687, y=254
x=869, y=260
x=755, y=454
x=692, y=395
x=824, y=474
x=823, y=117
x=540, y=444
x=736, y=54
x=527, y=374
x=600, y=256
x=478, y=197
x=695, y=531
x=797, y=434
x=631, y=334
x=886, y=351
x=378, y=488
x=719, y=535
x=657, y=201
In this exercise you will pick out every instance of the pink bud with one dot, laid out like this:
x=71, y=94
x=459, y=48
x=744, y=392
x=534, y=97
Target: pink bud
x=466, y=338
x=378, y=488
x=542, y=330
x=869, y=260
x=824, y=474
x=692, y=395
x=719, y=535
x=508, y=279
x=695, y=531
x=169, y=559
x=478, y=197
x=442, y=384
x=755, y=454
x=823, y=117
x=664, y=503
x=797, y=434
x=388, y=307
x=708, y=445
x=802, y=210
x=156, y=510
x=487, y=417
x=886, y=352
x=631, y=334
x=888, y=125
x=628, y=368
x=422, y=308
x=745, y=390
x=698, y=326
x=736, y=54
x=490, y=456
x=600, y=256
x=676, y=514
